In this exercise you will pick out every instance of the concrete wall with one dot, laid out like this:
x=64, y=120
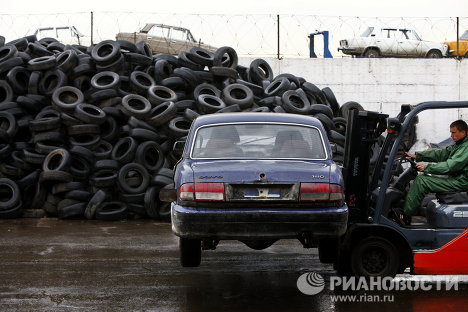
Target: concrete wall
x=384, y=84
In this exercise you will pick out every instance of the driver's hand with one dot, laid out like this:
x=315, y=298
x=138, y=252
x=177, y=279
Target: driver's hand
x=408, y=155
x=421, y=167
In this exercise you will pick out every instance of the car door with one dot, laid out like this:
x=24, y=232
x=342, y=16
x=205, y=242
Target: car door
x=385, y=41
x=408, y=43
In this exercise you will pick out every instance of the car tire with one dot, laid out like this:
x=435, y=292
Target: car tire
x=295, y=103
x=371, y=53
x=434, y=54
x=375, y=256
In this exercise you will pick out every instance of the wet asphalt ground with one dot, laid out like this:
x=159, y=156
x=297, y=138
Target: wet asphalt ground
x=78, y=265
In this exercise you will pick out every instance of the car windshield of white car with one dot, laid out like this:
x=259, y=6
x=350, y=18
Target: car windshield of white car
x=259, y=141
x=464, y=36
x=367, y=32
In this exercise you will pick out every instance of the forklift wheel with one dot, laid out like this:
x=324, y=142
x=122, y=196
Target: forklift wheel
x=375, y=256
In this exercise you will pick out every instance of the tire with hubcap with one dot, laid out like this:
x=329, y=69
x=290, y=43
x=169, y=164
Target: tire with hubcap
x=375, y=256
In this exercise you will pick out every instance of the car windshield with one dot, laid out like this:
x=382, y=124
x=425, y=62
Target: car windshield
x=259, y=141
x=464, y=36
x=367, y=32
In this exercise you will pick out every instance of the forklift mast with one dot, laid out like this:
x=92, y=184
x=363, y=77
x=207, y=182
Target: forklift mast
x=363, y=130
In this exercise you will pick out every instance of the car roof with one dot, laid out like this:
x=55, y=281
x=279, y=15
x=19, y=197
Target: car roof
x=255, y=117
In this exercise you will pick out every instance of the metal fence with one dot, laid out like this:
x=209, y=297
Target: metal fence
x=251, y=35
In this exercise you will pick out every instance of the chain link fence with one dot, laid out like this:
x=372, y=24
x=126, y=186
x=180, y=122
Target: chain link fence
x=251, y=35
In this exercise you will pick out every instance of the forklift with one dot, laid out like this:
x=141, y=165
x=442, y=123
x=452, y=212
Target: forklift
x=377, y=176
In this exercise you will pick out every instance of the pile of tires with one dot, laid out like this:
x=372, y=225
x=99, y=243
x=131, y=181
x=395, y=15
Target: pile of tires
x=88, y=131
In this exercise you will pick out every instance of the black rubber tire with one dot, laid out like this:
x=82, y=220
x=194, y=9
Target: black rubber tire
x=375, y=256
x=159, y=94
x=112, y=211
x=105, y=80
x=331, y=99
x=201, y=56
x=230, y=109
x=336, y=137
x=106, y=52
x=18, y=79
x=190, y=252
x=206, y=88
x=106, y=178
x=208, y=104
x=7, y=51
x=125, y=149
x=71, y=211
x=162, y=70
x=259, y=71
x=184, y=104
x=127, y=46
x=6, y=92
x=239, y=94
x=109, y=129
x=83, y=129
x=135, y=105
x=141, y=135
x=150, y=155
x=347, y=107
x=8, y=123
x=55, y=176
x=90, y=113
x=65, y=99
x=137, y=170
x=184, y=61
x=161, y=180
x=179, y=127
x=7, y=65
x=224, y=72
x=190, y=114
x=52, y=80
x=140, y=82
x=99, y=197
x=340, y=125
x=59, y=160
x=42, y=63
x=83, y=152
x=321, y=108
x=12, y=213
x=326, y=121
x=256, y=89
x=162, y=113
x=67, y=60
x=137, y=59
x=67, y=187
x=80, y=195
x=295, y=102
x=219, y=58
x=9, y=199
x=277, y=87
x=151, y=202
x=89, y=141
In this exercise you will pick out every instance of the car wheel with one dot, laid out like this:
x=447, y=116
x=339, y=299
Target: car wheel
x=434, y=54
x=371, y=53
x=375, y=256
x=190, y=252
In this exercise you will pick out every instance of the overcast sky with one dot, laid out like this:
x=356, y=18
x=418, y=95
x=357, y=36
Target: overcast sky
x=392, y=8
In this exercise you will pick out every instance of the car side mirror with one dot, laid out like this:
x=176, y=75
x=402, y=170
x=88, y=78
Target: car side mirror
x=333, y=147
x=178, y=148
x=393, y=125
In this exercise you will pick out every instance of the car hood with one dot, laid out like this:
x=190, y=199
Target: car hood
x=272, y=171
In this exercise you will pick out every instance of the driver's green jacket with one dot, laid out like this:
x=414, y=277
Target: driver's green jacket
x=452, y=162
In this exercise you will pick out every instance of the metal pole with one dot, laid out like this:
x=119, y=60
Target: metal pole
x=458, y=36
x=278, y=31
x=92, y=27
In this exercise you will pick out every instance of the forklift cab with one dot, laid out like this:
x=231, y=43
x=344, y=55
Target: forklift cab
x=435, y=242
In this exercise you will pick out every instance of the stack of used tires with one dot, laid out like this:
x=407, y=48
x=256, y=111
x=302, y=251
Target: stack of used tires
x=88, y=131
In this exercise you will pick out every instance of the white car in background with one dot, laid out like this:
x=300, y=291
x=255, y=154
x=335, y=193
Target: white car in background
x=376, y=42
x=64, y=34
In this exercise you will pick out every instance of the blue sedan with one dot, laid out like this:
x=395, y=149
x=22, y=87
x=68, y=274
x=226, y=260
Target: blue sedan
x=257, y=178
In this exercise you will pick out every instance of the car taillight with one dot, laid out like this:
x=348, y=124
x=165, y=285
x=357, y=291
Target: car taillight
x=321, y=192
x=202, y=192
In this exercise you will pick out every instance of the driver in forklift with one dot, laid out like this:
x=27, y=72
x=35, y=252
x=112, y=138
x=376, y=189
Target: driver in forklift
x=451, y=161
